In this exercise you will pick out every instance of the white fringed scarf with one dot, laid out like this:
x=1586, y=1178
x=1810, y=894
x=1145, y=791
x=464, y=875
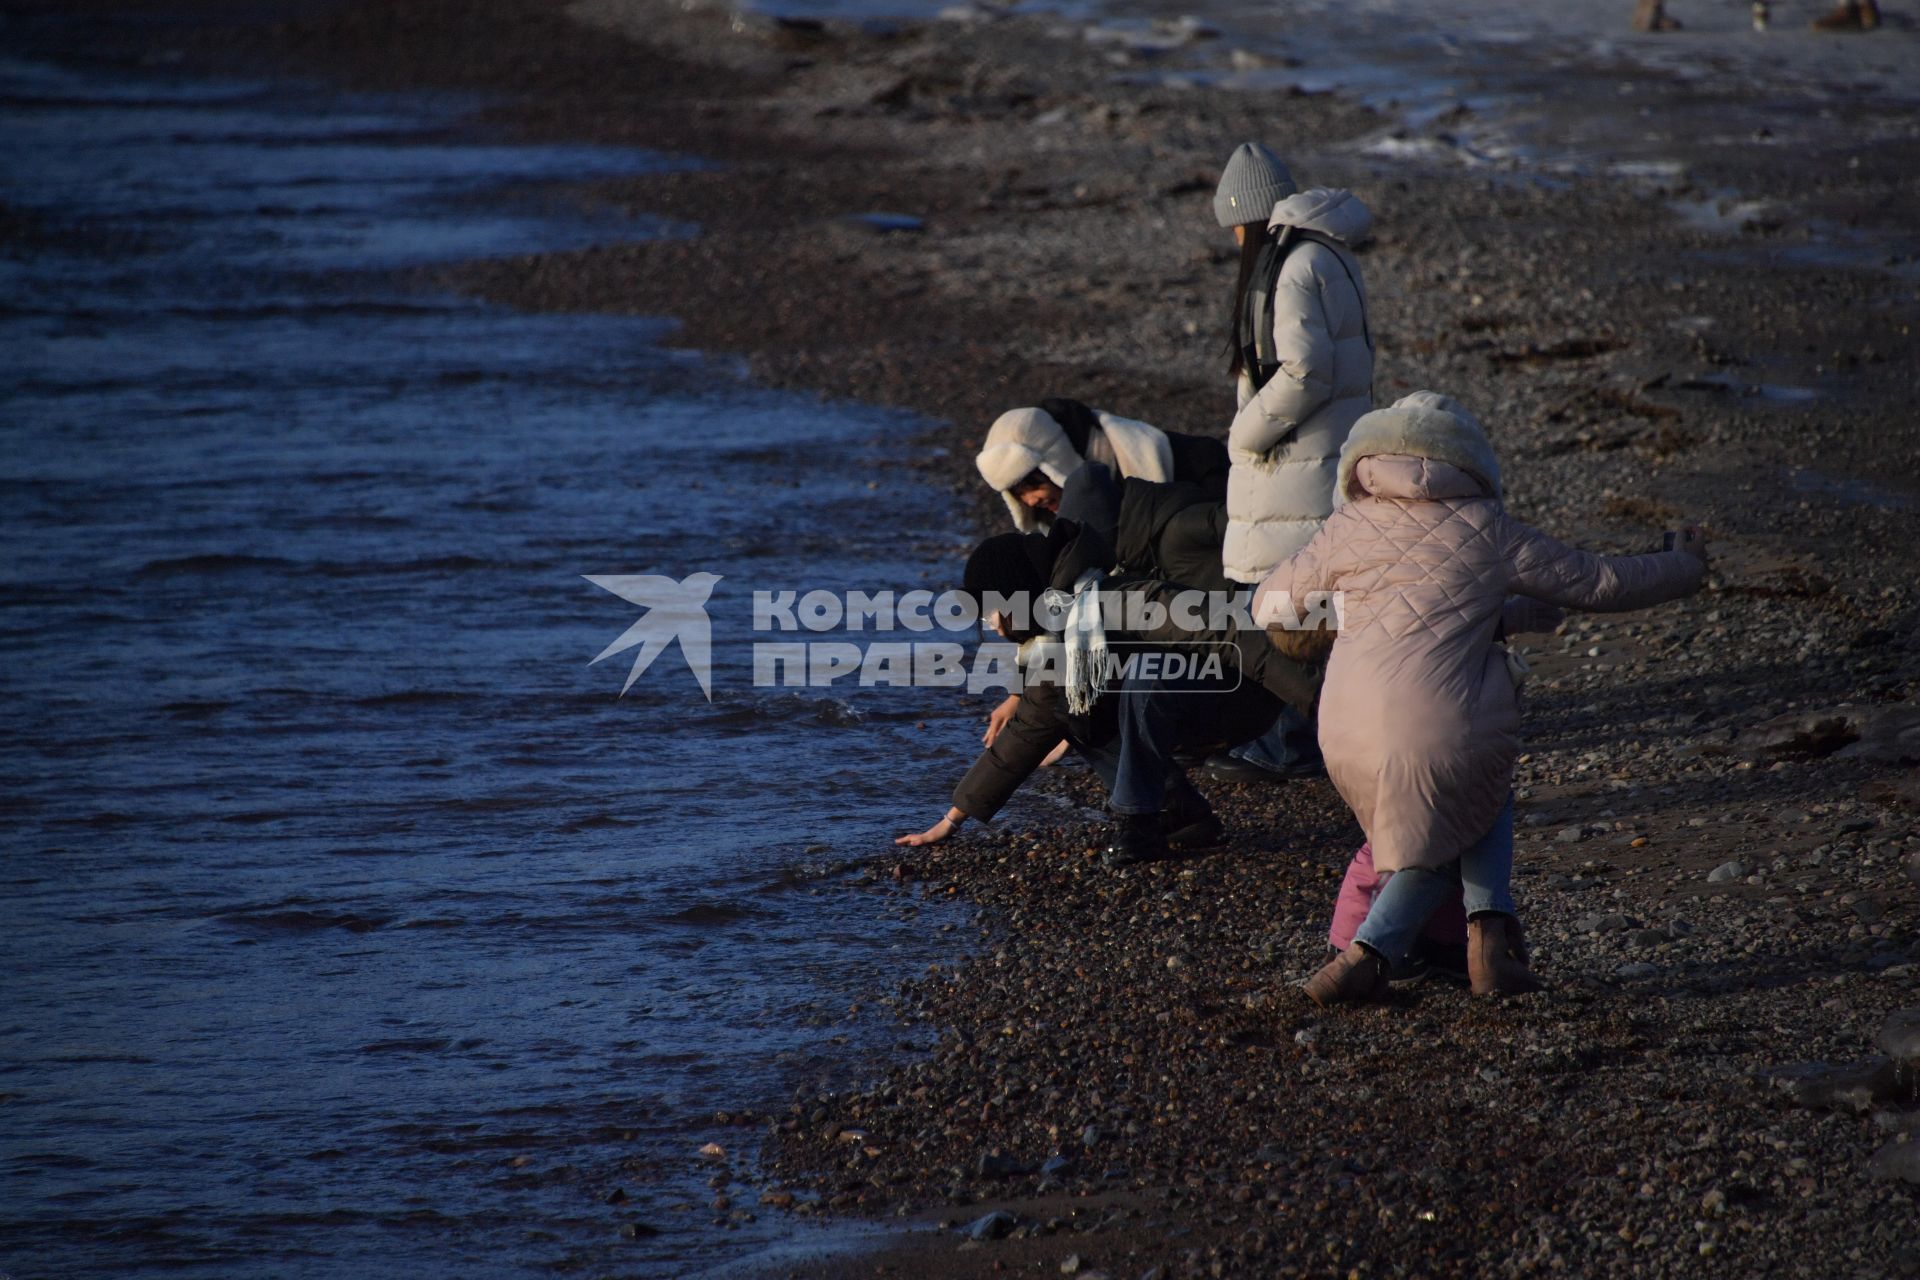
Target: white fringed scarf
x=1085, y=637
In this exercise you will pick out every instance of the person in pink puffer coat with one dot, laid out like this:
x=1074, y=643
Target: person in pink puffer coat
x=1420, y=713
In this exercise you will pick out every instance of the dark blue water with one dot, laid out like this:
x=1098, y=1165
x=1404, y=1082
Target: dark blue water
x=351, y=923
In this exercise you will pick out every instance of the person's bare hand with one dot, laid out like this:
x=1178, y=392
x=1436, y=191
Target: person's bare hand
x=932, y=835
x=1000, y=717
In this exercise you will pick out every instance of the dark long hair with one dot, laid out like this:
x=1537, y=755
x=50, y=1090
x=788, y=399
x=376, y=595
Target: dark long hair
x=1249, y=256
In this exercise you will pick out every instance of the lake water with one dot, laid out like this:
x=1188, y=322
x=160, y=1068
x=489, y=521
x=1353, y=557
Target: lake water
x=352, y=923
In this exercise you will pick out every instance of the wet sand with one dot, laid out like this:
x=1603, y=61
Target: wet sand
x=1635, y=368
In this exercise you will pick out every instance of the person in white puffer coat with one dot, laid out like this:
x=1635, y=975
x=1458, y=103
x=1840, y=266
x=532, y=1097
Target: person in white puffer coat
x=1293, y=413
x=1303, y=369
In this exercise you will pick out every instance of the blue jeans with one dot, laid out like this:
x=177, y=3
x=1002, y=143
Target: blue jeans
x=1290, y=741
x=1161, y=716
x=1485, y=875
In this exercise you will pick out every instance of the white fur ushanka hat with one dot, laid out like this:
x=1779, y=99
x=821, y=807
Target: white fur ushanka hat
x=1020, y=442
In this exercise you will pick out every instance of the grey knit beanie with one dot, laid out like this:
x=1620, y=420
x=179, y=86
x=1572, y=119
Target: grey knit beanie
x=1254, y=182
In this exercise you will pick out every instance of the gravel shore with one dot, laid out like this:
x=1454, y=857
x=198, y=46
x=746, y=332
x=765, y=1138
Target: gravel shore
x=1719, y=860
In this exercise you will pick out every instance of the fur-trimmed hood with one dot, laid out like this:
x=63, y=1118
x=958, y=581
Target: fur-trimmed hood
x=1425, y=425
x=1022, y=441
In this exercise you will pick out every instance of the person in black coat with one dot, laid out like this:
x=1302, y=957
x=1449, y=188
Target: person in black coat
x=1132, y=729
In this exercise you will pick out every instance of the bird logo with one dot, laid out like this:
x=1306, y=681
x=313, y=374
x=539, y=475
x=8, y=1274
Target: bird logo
x=674, y=611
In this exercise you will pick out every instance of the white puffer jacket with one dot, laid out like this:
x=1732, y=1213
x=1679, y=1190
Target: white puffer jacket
x=1286, y=437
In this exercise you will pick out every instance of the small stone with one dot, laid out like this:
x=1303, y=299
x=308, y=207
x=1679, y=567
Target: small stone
x=992, y=1226
x=1649, y=937
x=1569, y=835
x=714, y=1151
x=1614, y=922
x=850, y=1136
x=1727, y=872
x=885, y=223
x=1869, y=909
x=1634, y=972
x=777, y=1199
x=1090, y=1136
x=1071, y=1265
x=615, y=1196
x=999, y=1166
x=638, y=1230
x=1057, y=1168
x=1790, y=815
x=1714, y=1203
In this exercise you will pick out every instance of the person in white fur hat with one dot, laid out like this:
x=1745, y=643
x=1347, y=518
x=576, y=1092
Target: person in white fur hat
x=1030, y=454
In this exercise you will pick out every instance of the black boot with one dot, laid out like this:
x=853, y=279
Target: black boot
x=1138, y=838
x=1188, y=819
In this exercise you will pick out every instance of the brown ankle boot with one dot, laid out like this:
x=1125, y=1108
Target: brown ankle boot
x=1497, y=957
x=1354, y=976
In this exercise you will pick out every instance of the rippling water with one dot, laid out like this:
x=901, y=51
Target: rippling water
x=352, y=924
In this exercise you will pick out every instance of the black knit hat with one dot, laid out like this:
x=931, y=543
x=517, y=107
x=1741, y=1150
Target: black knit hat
x=1008, y=564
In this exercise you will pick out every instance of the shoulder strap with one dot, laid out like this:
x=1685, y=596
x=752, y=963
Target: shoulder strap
x=1340, y=252
x=1257, y=353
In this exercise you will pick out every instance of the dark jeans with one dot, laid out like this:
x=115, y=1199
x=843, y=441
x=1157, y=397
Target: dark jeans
x=1161, y=716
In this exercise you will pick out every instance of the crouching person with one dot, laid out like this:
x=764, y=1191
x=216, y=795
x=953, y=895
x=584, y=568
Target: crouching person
x=1197, y=678
x=1421, y=716
x=1031, y=454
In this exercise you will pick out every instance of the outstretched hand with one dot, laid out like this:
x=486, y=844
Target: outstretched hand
x=932, y=835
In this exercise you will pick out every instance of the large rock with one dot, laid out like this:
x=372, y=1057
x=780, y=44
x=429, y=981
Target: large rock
x=992, y=1226
x=1854, y=1086
x=1885, y=734
x=1899, y=1037
x=1898, y=1159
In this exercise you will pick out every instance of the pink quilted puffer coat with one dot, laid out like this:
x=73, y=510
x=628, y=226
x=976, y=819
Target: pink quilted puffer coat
x=1419, y=716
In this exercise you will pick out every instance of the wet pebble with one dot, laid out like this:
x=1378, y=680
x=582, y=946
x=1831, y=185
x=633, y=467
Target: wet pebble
x=996, y=1225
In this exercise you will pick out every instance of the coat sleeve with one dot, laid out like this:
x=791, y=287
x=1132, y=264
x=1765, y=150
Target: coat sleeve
x=1548, y=570
x=1303, y=344
x=1036, y=728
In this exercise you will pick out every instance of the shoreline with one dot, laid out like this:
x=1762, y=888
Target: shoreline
x=1620, y=1126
